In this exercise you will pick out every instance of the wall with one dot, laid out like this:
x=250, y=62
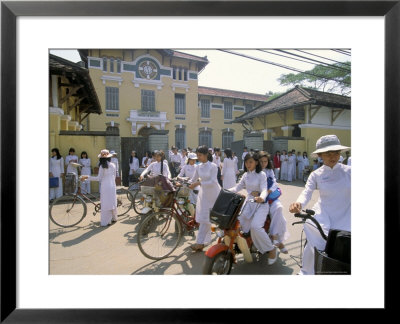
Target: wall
x=313, y=134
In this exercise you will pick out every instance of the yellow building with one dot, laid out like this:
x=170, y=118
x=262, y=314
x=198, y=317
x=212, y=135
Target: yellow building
x=152, y=99
x=297, y=118
x=72, y=98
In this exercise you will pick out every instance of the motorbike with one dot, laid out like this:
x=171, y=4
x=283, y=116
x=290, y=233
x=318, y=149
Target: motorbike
x=231, y=239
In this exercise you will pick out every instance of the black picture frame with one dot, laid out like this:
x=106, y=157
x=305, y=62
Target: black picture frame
x=10, y=10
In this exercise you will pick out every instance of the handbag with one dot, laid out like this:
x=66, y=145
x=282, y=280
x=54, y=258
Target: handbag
x=54, y=182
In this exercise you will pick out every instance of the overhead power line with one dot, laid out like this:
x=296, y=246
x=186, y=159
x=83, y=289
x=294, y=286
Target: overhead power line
x=323, y=63
x=341, y=52
x=292, y=58
x=325, y=58
x=282, y=66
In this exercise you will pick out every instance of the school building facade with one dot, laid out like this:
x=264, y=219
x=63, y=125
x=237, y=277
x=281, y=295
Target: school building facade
x=142, y=99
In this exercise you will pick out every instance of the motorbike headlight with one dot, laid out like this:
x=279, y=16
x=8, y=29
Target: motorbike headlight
x=220, y=233
x=181, y=201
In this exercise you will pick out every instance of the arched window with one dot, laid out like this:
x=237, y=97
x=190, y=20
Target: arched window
x=205, y=138
x=227, y=139
x=228, y=110
x=180, y=140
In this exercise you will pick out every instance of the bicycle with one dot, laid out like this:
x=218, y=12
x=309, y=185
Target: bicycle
x=335, y=258
x=70, y=209
x=160, y=233
x=306, y=173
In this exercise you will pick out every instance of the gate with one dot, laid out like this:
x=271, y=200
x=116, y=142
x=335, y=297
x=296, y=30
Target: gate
x=237, y=147
x=129, y=144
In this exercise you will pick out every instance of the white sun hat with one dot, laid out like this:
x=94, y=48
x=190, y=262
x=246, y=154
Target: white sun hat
x=104, y=154
x=192, y=156
x=329, y=143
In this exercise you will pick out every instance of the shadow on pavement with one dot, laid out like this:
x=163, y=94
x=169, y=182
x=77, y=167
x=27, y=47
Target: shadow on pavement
x=94, y=228
x=189, y=262
x=54, y=233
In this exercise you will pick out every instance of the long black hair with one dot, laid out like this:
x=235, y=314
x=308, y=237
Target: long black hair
x=256, y=157
x=131, y=157
x=103, y=162
x=203, y=149
x=228, y=153
x=57, y=152
x=270, y=164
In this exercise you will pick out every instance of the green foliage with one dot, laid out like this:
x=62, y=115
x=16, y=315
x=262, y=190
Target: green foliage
x=323, y=78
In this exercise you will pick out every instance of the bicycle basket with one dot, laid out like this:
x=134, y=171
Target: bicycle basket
x=225, y=208
x=324, y=265
x=163, y=198
x=147, y=190
x=183, y=192
x=70, y=183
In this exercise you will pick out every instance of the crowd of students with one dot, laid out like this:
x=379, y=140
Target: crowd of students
x=208, y=173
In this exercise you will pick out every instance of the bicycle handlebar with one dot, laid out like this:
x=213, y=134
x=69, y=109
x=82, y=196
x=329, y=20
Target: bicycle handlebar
x=308, y=214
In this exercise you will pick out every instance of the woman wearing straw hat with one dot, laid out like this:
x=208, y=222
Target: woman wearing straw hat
x=108, y=196
x=333, y=209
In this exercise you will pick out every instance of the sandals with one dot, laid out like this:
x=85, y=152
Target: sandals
x=281, y=247
x=272, y=261
x=197, y=247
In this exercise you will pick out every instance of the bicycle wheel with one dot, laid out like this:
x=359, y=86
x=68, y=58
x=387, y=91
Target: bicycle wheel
x=68, y=210
x=133, y=188
x=124, y=201
x=159, y=235
x=138, y=203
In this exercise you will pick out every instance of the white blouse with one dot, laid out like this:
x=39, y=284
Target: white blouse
x=184, y=159
x=71, y=168
x=115, y=161
x=86, y=166
x=334, y=203
x=134, y=165
x=175, y=158
x=217, y=160
x=56, y=166
x=271, y=174
x=155, y=169
x=252, y=181
x=187, y=171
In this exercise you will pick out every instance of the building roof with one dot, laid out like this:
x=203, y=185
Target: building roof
x=77, y=75
x=297, y=97
x=201, y=61
x=207, y=91
x=190, y=57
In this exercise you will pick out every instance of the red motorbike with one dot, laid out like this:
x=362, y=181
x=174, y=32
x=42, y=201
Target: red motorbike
x=231, y=239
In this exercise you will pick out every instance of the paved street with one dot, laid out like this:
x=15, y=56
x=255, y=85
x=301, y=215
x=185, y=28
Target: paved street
x=91, y=249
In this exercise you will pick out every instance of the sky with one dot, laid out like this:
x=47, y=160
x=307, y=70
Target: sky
x=228, y=71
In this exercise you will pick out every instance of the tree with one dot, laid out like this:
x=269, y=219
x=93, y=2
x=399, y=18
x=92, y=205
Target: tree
x=272, y=95
x=335, y=78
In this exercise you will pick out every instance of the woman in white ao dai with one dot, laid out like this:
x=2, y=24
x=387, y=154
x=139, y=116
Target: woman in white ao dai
x=56, y=170
x=205, y=176
x=333, y=208
x=86, y=170
x=188, y=170
x=108, y=195
x=253, y=215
